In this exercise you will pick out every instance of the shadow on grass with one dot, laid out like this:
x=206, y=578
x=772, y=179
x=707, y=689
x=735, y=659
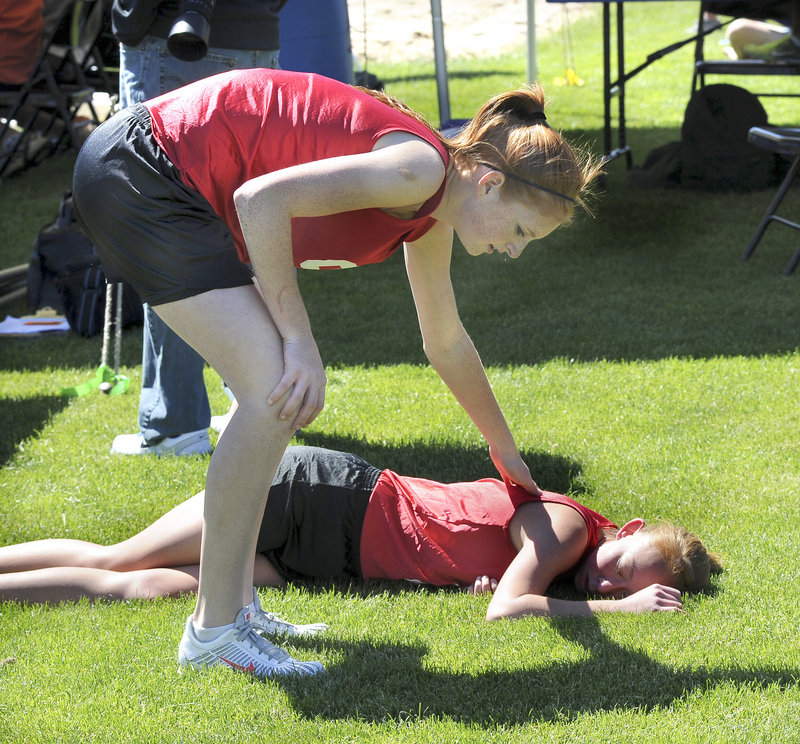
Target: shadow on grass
x=24, y=418
x=450, y=464
x=657, y=273
x=379, y=683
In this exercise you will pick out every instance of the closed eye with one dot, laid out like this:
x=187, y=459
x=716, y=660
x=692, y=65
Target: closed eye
x=625, y=571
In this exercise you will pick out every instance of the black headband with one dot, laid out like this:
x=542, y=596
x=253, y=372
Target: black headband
x=508, y=174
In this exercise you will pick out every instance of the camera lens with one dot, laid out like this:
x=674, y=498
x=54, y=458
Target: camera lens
x=188, y=38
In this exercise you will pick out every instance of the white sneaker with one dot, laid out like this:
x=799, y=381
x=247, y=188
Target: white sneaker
x=242, y=649
x=193, y=443
x=266, y=622
x=218, y=423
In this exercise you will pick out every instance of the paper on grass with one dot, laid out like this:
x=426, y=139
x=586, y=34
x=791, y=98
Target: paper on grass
x=33, y=325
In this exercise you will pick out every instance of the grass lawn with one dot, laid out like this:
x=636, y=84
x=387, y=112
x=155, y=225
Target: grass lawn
x=642, y=365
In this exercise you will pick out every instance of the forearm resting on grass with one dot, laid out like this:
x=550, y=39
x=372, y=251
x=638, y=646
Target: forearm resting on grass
x=654, y=598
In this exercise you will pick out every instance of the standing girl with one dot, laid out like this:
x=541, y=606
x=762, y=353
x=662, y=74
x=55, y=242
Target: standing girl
x=250, y=174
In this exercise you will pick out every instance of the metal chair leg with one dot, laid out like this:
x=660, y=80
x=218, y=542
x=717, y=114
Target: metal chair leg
x=795, y=260
x=769, y=216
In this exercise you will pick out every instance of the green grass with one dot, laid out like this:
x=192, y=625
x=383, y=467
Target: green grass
x=642, y=365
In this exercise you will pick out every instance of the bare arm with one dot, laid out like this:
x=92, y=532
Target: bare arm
x=551, y=546
x=452, y=353
x=399, y=175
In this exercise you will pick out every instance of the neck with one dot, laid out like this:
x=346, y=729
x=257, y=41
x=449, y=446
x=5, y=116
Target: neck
x=456, y=190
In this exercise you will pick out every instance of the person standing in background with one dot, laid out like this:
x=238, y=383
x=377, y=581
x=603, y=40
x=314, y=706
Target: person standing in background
x=174, y=412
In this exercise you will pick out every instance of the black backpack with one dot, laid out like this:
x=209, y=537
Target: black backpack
x=713, y=153
x=716, y=153
x=65, y=274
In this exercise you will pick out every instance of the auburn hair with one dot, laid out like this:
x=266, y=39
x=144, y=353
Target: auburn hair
x=683, y=552
x=687, y=558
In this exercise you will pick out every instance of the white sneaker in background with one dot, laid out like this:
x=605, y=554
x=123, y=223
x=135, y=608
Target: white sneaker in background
x=192, y=443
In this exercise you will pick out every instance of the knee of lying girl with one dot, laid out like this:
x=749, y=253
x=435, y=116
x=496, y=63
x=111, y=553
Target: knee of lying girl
x=157, y=582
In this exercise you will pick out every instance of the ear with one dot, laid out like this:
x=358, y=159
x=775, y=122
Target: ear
x=631, y=528
x=492, y=179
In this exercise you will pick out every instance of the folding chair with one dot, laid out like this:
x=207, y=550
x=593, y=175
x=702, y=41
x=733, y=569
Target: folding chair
x=47, y=104
x=783, y=141
x=95, y=45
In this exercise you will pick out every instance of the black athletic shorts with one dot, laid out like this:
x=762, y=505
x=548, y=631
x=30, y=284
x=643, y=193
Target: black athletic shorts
x=148, y=227
x=315, y=512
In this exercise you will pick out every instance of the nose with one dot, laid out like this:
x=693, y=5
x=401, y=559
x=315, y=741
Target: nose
x=515, y=249
x=608, y=586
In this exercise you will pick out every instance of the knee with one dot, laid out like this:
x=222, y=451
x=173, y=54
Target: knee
x=738, y=34
x=744, y=31
x=253, y=413
x=109, y=557
x=150, y=584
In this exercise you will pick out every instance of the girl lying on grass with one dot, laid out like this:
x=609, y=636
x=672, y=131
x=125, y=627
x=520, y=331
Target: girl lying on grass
x=331, y=515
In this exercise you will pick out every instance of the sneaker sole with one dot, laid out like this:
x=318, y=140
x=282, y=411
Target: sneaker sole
x=302, y=671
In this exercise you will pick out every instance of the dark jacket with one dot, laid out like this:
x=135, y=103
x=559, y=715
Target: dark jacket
x=235, y=24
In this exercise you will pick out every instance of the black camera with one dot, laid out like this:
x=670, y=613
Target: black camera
x=188, y=37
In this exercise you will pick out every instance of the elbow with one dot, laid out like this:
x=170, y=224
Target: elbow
x=440, y=349
x=246, y=200
x=430, y=353
x=495, y=612
x=240, y=198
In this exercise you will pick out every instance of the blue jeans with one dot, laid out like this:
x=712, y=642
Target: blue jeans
x=173, y=398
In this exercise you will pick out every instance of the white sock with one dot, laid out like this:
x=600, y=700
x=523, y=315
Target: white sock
x=210, y=634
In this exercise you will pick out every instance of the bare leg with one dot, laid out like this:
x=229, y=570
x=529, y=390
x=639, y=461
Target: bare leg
x=172, y=540
x=233, y=330
x=745, y=31
x=62, y=583
x=71, y=583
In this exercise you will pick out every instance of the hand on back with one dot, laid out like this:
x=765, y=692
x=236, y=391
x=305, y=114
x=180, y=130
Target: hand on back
x=513, y=470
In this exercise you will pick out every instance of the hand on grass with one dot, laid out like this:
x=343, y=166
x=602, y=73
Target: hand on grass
x=303, y=382
x=482, y=585
x=653, y=598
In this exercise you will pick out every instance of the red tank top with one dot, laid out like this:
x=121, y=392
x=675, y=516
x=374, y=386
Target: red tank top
x=448, y=533
x=229, y=128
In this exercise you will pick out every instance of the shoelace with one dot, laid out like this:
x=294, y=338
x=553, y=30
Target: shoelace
x=247, y=632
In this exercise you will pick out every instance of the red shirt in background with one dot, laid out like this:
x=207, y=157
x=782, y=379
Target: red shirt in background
x=21, y=29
